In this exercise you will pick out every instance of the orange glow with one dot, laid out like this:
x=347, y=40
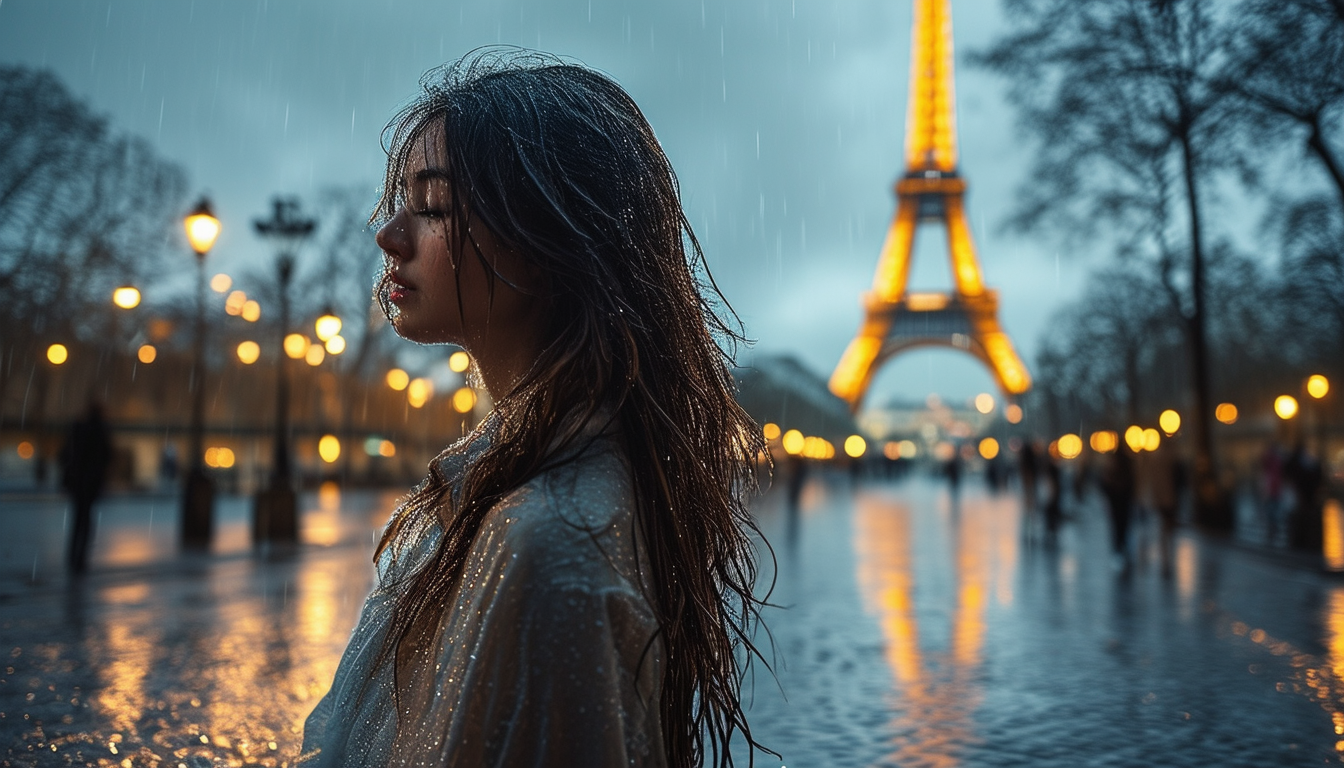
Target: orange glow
x=1104, y=441
x=1226, y=413
x=250, y=311
x=893, y=261
x=927, y=302
x=930, y=120
x=464, y=399
x=989, y=448
x=1285, y=406
x=335, y=345
x=315, y=354
x=1333, y=535
x=202, y=229
x=146, y=353
x=326, y=326
x=770, y=431
x=387, y=448
x=1070, y=446
x=891, y=450
x=1013, y=413
x=793, y=442
x=25, y=450
x=57, y=354
x=851, y=375
x=398, y=379
x=965, y=264
x=219, y=457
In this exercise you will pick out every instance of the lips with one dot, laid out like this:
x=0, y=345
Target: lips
x=397, y=288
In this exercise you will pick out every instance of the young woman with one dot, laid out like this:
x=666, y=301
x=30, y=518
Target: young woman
x=571, y=584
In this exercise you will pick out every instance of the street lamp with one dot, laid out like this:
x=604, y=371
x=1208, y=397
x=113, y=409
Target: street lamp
x=274, y=512
x=198, y=493
x=1318, y=387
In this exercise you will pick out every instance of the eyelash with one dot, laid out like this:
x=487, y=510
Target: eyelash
x=432, y=213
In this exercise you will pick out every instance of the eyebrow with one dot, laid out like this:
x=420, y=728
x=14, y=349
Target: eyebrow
x=425, y=174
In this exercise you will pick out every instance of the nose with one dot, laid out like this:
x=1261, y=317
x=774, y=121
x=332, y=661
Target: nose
x=391, y=237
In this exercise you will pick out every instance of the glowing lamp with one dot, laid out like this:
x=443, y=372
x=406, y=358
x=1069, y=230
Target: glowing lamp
x=793, y=442
x=202, y=228
x=146, y=353
x=126, y=297
x=57, y=354
x=418, y=392
x=1226, y=413
x=459, y=361
x=770, y=431
x=1151, y=439
x=1134, y=438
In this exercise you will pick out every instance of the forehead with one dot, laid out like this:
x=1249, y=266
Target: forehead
x=425, y=150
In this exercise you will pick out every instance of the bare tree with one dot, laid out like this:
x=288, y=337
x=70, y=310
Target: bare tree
x=1123, y=96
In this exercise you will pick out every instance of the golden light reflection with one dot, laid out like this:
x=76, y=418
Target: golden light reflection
x=398, y=379
x=1013, y=413
x=1169, y=421
x=57, y=354
x=1070, y=446
x=855, y=446
x=1226, y=413
x=146, y=353
x=1333, y=535
x=989, y=448
x=1318, y=386
x=126, y=297
x=459, y=361
x=1104, y=441
x=793, y=442
x=770, y=431
x=1285, y=406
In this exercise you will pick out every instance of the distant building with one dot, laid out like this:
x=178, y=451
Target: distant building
x=780, y=389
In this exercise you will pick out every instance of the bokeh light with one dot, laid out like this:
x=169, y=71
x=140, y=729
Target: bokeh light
x=335, y=345
x=147, y=353
x=1104, y=441
x=221, y=283
x=249, y=352
x=418, y=392
x=233, y=303
x=459, y=361
x=1013, y=413
x=296, y=345
x=126, y=297
x=329, y=448
x=1070, y=446
x=1169, y=421
x=855, y=446
x=1134, y=438
x=770, y=431
x=57, y=354
x=1318, y=386
x=250, y=311
x=793, y=442
x=984, y=402
x=315, y=354
x=25, y=450
x=327, y=326
x=464, y=399
x=398, y=379
x=989, y=448
x=1285, y=406
x=1151, y=439
x=1226, y=413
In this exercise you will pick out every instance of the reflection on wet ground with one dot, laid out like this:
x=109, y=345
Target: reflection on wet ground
x=917, y=632
x=914, y=632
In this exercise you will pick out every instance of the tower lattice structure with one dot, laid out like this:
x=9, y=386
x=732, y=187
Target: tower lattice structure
x=931, y=191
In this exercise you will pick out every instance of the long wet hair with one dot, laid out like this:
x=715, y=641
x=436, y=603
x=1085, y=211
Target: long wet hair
x=562, y=168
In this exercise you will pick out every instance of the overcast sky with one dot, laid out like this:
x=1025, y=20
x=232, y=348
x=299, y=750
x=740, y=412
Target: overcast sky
x=783, y=118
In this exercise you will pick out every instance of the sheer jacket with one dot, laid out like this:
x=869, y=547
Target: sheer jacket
x=547, y=655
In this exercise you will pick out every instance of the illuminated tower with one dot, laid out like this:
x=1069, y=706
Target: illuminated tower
x=930, y=191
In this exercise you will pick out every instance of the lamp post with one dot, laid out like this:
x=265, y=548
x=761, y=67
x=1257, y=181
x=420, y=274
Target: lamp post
x=274, y=514
x=198, y=493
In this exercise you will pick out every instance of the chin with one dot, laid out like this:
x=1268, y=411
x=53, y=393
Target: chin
x=422, y=335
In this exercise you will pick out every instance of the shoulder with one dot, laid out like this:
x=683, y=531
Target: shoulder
x=574, y=524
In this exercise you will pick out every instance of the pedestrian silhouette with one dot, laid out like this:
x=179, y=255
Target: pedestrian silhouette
x=84, y=461
x=1026, y=469
x=1304, y=473
x=1054, y=503
x=1118, y=485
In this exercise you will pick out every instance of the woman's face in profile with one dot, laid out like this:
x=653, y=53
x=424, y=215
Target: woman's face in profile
x=442, y=295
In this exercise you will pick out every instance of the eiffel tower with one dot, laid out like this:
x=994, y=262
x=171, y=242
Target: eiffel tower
x=930, y=191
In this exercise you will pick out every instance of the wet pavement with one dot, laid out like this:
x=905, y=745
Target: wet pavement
x=912, y=632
